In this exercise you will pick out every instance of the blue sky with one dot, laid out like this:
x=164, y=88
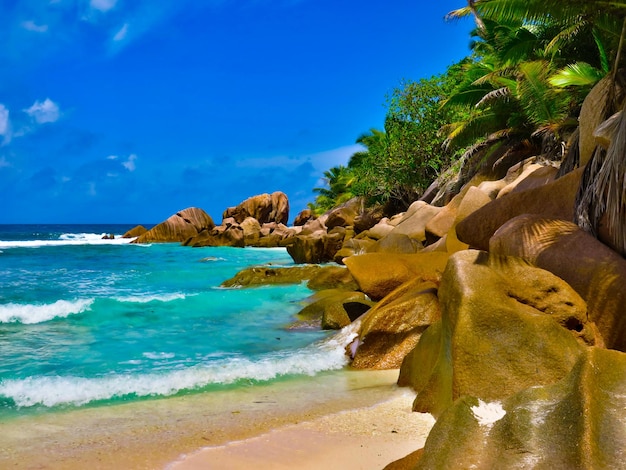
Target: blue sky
x=128, y=111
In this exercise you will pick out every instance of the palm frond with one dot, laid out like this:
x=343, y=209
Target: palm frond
x=565, y=36
x=495, y=95
x=467, y=97
x=578, y=74
x=604, y=58
x=535, y=94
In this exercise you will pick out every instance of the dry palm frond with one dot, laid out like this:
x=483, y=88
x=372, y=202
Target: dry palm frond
x=587, y=198
x=571, y=159
x=495, y=95
x=605, y=196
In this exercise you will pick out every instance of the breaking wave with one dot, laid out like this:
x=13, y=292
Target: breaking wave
x=39, y=313
x=51, y=391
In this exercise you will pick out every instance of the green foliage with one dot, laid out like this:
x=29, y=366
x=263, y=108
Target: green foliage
x=400, y=162
x=339, y=181
x=532, y=64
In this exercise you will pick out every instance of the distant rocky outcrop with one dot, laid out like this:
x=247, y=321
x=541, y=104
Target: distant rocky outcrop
x=303, y=217
x=265, y=208
x=135, y=232
x=179, y=227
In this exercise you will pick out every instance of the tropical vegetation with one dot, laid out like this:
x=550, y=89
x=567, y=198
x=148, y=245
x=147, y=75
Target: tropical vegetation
x=520, y=93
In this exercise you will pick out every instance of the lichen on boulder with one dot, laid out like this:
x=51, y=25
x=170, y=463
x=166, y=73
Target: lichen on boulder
x=505, y=326
x=577, y=422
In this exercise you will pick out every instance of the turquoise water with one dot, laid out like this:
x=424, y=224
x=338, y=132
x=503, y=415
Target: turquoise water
x=86, y=321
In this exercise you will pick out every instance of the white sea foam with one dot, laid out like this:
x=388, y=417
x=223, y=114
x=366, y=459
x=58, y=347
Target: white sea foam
x=158, y=355
x=38, y=313
x=56, y=390
x=143, y=299
x=67, y=239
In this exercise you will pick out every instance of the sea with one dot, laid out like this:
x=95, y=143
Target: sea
x=89, y=322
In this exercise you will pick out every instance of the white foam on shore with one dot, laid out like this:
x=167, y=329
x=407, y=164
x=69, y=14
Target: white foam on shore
x=51, y=391
x=67, y=239
x=143, y=299
x=39, y=313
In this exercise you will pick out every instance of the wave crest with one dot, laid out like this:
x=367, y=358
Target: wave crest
x=144, y=299
x=68, y=239
x=52, y=391
x=39, y=313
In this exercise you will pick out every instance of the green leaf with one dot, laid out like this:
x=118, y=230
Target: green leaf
x=578, y=74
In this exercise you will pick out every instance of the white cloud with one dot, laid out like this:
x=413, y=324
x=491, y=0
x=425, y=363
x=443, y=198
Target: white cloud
x=102, y=5
x=121, y=34
x=34, y=27
x=4, y=121
x=91, y=189
x=321, y=161
x=112, y=157
x=4, y=163
x=42, y=112
x=130, y=163
x=282, y=161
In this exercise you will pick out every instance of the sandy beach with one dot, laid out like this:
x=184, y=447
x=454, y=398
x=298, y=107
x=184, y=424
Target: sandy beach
x=359, y=439
x=360, y=418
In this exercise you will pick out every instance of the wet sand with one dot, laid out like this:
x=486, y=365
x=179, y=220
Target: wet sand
x=291, y=423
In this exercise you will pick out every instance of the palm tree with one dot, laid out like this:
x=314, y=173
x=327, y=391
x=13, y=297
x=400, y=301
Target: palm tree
x=338, y=180
x=586, y=45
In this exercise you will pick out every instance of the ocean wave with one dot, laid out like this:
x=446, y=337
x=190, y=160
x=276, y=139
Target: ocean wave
x=77, y=391
x=144, y=299
x=39, y=313
x=67, y=239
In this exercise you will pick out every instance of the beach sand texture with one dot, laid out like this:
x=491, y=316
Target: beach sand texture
x=359, y=418
x=361, y=439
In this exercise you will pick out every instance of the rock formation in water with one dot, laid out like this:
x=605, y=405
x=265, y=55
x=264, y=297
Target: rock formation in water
x=179, y=227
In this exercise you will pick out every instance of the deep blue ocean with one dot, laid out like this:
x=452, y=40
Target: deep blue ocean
x=92, y=322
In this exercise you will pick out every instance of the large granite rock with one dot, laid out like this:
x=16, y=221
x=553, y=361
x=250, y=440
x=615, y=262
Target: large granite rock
x=334, y=308
x=505, y=326
x=377, y=274
x=317, y=247
x=575, y=423
x=318, y=277
x=263, y=207
x=332, y=277
x=179, y=227
x=135, y=232
x=413, y=222
x=251, y=231
x=368, y=217
x=391, y=329
x=534, y=176
x=595, y=271
x=303, y=217
x=345, y=214
x=397, y=243
x=554, y=200
x=228, y=234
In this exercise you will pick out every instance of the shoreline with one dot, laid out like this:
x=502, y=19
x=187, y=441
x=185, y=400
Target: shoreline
x=367, y=438
x=160, y=433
